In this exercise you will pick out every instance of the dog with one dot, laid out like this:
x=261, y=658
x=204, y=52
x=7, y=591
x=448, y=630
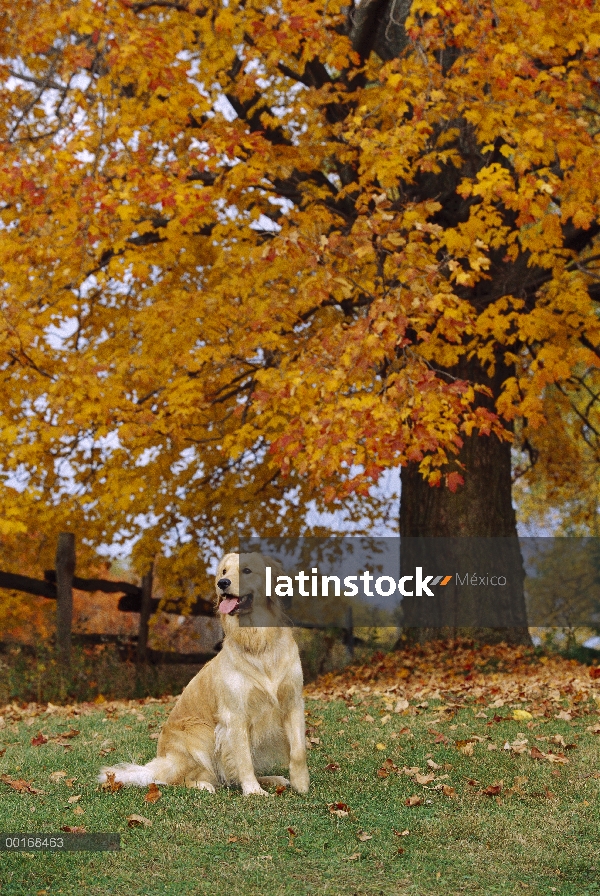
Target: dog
x=243, y=714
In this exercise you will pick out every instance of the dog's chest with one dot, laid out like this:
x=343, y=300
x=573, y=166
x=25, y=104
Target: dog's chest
x=259, y=682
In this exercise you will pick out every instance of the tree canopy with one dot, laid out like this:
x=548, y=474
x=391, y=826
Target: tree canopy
x=252, y=253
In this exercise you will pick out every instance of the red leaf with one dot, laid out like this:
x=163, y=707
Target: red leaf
x=453, y=480
x=492, y=790
x=153, y=794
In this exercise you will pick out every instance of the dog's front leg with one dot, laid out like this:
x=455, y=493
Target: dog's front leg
x=294, y=730
x=239, y=757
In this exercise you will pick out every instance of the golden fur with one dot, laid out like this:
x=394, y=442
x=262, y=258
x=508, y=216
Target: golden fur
x=243, y=713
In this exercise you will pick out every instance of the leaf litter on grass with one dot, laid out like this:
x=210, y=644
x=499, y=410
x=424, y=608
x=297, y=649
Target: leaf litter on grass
x=487, y=698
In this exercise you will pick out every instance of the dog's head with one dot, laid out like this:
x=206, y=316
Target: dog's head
x=240, y=590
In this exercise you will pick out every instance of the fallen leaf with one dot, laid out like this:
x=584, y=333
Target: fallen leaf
x=448, y=791
x=19, y=784
x=549, y=757
x=78, y=810
x=433, y=765
x=406, y=730
x=368, y=718
x=564, y=715
x=521, y=715
x=424, y=779
x=493, y=789
x=518, y=746
x=353, y=857
x=153, y=793
x=363, y=836
x=73, y=829
x=387, y=767
x=404, y=833
x=73, y=732
x=385, y=719
x=134, y=821
x=466, y=748
x=413, y=801
x=340, y=809
x=111, y=784
x=401, y=705
x=332, y=767
x=232, y=839
x=56, y=777
x=557, y=757
x=39, y=740
x=74, y=798
x=281, y=788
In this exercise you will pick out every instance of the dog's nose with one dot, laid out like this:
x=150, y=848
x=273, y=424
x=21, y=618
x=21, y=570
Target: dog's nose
x=223, y=584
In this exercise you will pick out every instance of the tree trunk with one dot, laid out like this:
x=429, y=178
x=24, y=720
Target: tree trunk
x=471, y=531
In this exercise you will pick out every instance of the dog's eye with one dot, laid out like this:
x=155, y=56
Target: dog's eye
x=247, y=571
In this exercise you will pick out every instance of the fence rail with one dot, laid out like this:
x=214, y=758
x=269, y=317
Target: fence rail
x=58, y=585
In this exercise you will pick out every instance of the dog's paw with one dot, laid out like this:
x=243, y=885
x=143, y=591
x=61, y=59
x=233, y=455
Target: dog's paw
x=300, y=782
x=200, y=785
x=250, y=789
x=273, y=781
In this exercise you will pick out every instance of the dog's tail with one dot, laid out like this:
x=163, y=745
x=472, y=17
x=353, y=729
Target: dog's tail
x=157, y=771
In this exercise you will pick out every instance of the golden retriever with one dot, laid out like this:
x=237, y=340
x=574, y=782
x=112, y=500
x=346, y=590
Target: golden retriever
x=243, y=713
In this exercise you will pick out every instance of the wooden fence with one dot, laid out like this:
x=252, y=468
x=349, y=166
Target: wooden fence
x=58, y=585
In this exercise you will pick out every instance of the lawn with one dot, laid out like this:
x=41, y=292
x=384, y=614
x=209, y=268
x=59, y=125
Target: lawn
x=495, y=751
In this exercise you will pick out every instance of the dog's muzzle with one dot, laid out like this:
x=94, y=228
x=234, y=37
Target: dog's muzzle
x=231, y=605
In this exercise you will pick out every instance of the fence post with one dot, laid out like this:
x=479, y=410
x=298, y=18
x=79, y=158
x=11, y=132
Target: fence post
x=145, y=610
x=350, y=632
x=65, y=570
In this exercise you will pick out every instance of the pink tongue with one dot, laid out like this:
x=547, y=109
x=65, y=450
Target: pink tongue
x=229, y=604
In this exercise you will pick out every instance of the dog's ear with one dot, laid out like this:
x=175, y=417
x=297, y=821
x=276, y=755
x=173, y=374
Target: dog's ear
x=276, y=567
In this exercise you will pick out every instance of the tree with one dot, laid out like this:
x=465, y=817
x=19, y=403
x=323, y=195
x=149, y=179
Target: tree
x=256, y=254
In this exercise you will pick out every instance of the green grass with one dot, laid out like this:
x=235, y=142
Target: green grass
x=522, y=842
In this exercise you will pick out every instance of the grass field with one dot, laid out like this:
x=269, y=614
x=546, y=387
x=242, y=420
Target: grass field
x=503, y=804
